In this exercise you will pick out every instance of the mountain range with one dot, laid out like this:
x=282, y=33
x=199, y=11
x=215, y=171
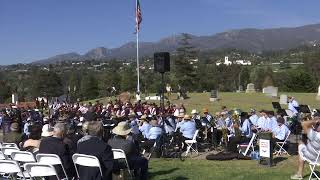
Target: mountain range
x=253, y=40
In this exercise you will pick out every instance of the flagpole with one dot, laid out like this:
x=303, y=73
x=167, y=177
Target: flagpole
x=138, y=66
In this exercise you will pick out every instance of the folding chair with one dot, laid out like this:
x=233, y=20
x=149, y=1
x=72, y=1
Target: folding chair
x=313, y=165
x=51, y=159
x=40, y=170
x=279, y=146
x=247, y=145
x=7, y=151
x=10, y=167
x=191, y=142
x=2, y=156
x=23, y=157
x=119, y=154
x=10, y=145
x=87, y=161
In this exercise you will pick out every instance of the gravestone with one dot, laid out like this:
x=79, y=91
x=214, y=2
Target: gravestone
x=270, y=91
x=250, y=88
x=14, y=98
x=214, y=95
x=318, y=95
x=283, y=99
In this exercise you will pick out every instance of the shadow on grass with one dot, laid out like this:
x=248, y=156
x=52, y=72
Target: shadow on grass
x=276, y=160
x=165, y=172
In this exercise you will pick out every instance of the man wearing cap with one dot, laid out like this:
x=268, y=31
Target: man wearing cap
x=144, y=126
x=281, y=131
x=188, y=128
x=253, y=117
x=246, y=133
x=120, y=141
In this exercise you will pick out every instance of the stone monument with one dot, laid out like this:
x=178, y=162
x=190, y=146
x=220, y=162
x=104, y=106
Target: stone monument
x=270, y=91
x=318, y=95
x=283, y=99
x=250, y=88
x=14, y=98
x=214, y=95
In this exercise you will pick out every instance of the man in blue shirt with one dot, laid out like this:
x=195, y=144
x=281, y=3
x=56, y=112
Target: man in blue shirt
x=154, y=133
x=188, y=128
x=246, y=133
x=144, y=126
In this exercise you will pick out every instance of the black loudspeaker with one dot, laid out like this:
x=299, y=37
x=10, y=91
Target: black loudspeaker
x=162, y=62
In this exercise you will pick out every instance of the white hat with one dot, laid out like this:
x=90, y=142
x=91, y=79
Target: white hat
x=122, y=129
x=46, y=132
x=194, y=111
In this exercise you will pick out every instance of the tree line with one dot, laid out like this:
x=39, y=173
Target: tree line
x=194, y=71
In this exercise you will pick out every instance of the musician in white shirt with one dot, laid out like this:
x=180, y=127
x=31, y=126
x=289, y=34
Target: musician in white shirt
x=293, y=105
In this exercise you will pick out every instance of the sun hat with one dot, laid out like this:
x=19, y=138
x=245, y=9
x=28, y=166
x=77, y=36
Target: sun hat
x=181, y=115
x=122, y=129
x=46, y=131
x=194, y=111
x=205, y=110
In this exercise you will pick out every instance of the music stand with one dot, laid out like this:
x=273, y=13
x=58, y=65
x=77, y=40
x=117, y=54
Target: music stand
x=304, y=109
x=276, y=105
x=282, y=112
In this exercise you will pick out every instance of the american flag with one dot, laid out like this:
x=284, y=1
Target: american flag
x=138, y=16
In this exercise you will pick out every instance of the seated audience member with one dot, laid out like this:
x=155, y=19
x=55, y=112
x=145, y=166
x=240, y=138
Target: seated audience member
x=14, y=136
x=32, y=144
x=188, y=128
x=54, y=145
x=95, y=146
x=246, y=133
x=308, y=152
x=120, y=141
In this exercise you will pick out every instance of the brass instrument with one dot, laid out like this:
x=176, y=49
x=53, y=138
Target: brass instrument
x=236, y=123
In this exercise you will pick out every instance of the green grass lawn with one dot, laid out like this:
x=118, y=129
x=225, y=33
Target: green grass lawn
x=243, y=101
x=224, y=170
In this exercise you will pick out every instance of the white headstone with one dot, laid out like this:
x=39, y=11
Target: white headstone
x=270, y=91
x=250, y=88
x=318, y=95
x=214, y=95
x=283, y=99
x=14, y=98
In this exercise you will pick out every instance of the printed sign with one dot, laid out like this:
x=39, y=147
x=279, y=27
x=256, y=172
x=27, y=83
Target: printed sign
x=264, y=146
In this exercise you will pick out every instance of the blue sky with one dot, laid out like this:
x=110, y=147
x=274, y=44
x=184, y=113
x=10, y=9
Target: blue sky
x=36, y=29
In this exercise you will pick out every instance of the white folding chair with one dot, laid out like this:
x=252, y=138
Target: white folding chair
x=2, y=156
x=10, y=145
x=7, y=151
x=23, y=157
x=51, y=159
x=40, y=170
x=191, y=142
x=279, y=146
x=119, y=154
x=87, y=161
x=313, y=165
x=247, y=145
x=10, y=167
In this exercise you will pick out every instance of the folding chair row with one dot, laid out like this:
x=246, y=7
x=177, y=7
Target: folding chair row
x=32, y=169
